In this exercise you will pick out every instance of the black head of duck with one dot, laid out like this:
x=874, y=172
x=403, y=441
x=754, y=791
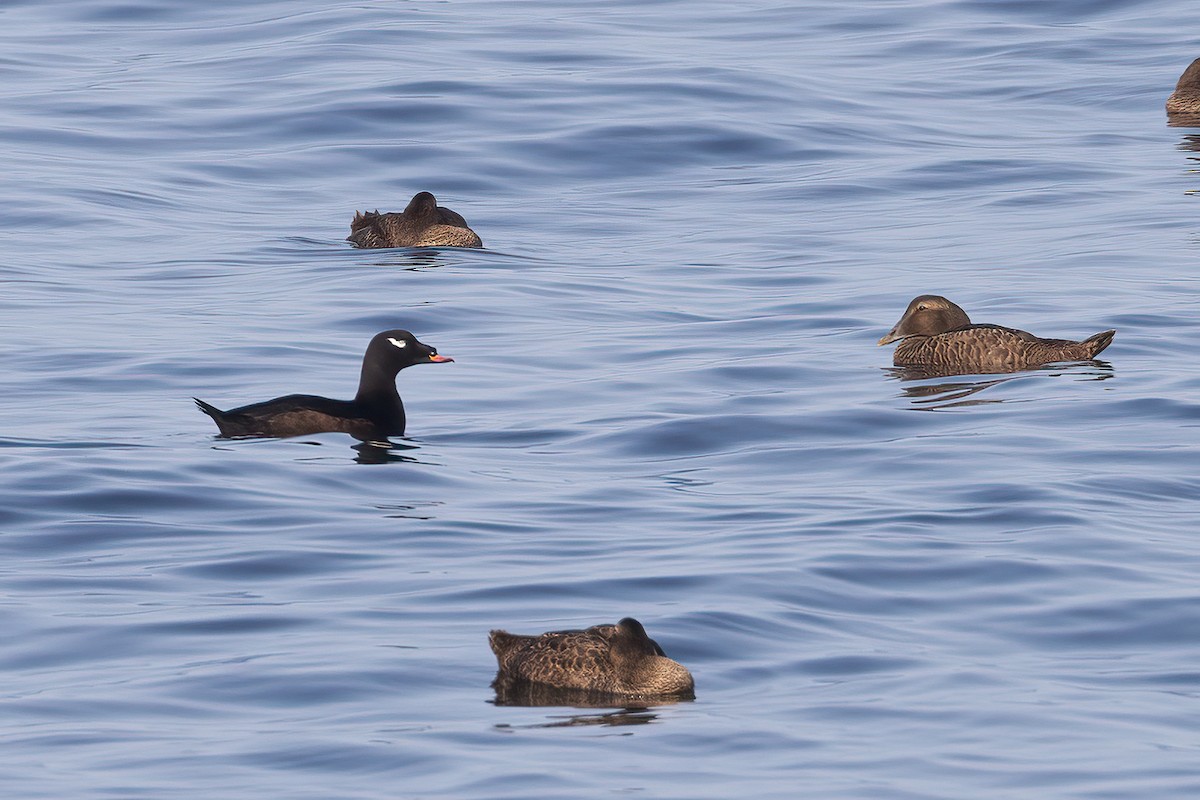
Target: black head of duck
x=375, y=413
x=937, y=334
x=1184, y=102
x=423, y=223
x=610, y=659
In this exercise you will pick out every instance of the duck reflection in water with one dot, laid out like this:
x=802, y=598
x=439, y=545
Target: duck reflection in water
x=1191, y=142
x=409, y=260
x=383, y=453
x=959, y=393
x=612, y=719
x=512, y=691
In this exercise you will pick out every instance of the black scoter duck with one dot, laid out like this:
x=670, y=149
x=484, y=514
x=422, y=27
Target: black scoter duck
x=614, y=659
x=374, y=414
x=423, y=223
x=1186, y=97
x=936, y=333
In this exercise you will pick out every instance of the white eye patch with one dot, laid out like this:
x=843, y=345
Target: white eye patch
x=398, y=342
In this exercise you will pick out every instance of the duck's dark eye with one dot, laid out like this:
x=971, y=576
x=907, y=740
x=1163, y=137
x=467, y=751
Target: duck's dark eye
x=922, y=307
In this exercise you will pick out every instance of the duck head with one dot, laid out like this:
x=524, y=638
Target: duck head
x=927, y=315
x=422, y=207
x=394, y=350
x=645, y=664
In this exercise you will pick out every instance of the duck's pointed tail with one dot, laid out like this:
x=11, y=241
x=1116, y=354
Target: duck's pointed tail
x=218, y=416
x=500, y=641
x=211, y=410
x=507, y=647
x=1094, y=345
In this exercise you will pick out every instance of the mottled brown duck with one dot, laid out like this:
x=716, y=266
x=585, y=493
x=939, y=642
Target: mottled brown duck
x=374, y=414
x=614, y=659
x=1185, y=99
x=423, y=223
x=937, y=334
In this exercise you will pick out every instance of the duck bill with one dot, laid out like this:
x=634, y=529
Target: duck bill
x=435, y=358
x=889, y=337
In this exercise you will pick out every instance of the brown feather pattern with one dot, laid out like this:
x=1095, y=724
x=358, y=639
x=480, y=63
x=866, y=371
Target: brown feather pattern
x=614, y=659
x=1186, y=97
x=422, y=224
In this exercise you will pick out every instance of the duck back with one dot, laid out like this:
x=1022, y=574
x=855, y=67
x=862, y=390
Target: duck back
x=994, y=348
x=305, y=415
x=614, y=659
x=422, y=224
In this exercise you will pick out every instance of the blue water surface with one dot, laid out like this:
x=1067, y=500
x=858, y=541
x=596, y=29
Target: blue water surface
x=666, y=400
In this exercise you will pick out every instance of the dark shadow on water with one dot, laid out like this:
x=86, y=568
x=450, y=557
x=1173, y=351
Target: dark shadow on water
x=1191, y=143
x=627, y=716
x=382, y=453
x=409, y=258
x=422, y=258
x=949, y=394
x=961, y=392
x=410, y=510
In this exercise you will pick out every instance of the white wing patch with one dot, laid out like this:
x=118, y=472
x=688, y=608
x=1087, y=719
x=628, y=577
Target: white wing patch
x=398, y=342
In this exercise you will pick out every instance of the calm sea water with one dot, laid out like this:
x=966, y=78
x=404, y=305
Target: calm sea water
x=667, y=401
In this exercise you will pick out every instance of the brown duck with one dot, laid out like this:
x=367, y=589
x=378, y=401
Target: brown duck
x=937, y=334
x=1186, y=97
x=423, y=223
x=615, y=659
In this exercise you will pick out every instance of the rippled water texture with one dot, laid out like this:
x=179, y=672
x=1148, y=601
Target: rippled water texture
x=666, y=400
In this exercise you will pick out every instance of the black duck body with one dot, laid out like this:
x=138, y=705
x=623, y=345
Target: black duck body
x=610, y=659
x=935, y=333
x=423, y=223
x=375, y=413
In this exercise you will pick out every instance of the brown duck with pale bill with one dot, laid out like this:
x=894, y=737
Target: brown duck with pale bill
x=936, y=333
x=615, y=659
x=423, y=223
x=1186, y=97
